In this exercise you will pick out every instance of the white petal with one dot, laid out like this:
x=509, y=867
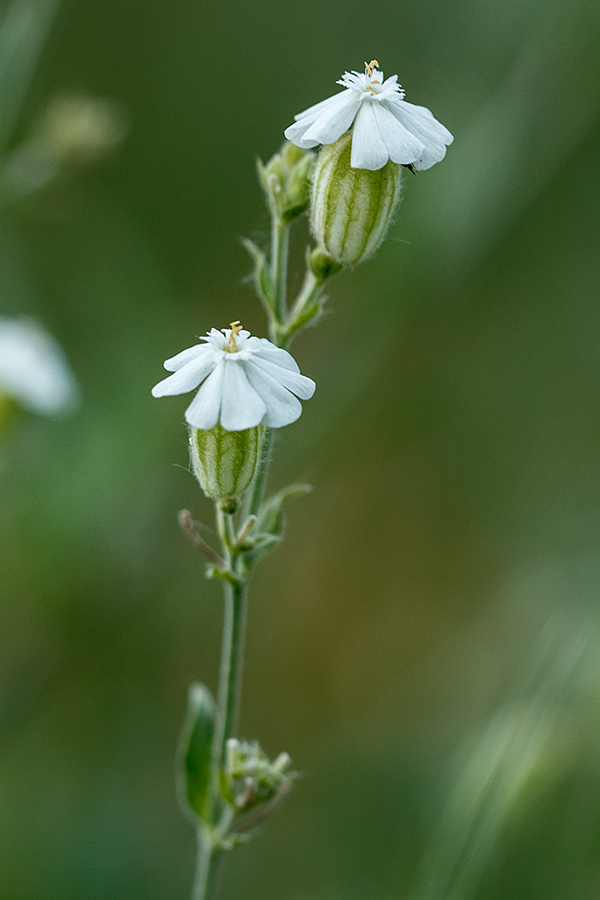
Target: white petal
x=368, y=148
x=282, y=407
x=186, y=378
x=277, y=355
x=335, y=119
x=402, y=146
x=391, y=82
x=427, y=122
x=432, y=154
x=313, y=112
x=293, y=381
x=203, y=411
x=180, y=359
x=241, y=406
x=295, y=134
x=420, y=121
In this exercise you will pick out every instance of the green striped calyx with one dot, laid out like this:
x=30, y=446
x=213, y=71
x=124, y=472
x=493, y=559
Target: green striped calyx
x=224, y=462
x=351, y=209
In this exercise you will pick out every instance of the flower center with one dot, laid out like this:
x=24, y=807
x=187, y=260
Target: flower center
x=235, y=330
x=369, y=66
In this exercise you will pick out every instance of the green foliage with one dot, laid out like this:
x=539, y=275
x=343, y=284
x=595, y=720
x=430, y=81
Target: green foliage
x=194, y=755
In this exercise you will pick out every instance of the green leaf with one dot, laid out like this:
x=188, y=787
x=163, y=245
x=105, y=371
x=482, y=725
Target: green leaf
x=261, y=275
x=194, y=754
x=269, y=524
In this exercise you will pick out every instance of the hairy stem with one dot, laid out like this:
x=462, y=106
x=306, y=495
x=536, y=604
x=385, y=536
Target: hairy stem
x=232, y=661
x=280, y=239
x=205, y=880
x=228, y=703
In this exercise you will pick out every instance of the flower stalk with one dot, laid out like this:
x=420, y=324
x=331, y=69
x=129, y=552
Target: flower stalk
x=237, y=553
x=249, y=386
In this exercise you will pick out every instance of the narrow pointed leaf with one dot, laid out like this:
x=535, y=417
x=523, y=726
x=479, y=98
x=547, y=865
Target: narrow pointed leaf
x=261, y=275
x=194, y=755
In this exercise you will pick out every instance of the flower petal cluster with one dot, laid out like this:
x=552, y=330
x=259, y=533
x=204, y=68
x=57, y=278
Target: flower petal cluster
x=244, y=381
x=33, y=369
x=385, y=126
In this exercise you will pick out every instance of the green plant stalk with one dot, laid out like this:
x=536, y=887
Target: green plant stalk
x=232, y=661
x=206, y=877
x=228, y=703
x=257, y=488
x=283, y=325
x=280, y=242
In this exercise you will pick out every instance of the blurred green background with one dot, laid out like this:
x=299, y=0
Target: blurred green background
x=425, y=643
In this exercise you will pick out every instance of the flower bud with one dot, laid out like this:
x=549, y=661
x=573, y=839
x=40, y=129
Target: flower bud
x=285, y=179
x=351, y=209
x=224, y=462
x=250, y=779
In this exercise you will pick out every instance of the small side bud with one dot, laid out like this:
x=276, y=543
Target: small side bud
x=351, y=209
x=322, y=265
x=285, y=179
x=250, y=780
x=224, y=462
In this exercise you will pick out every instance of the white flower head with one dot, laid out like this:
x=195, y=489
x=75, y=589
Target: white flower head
x=33, y=368
x=385, y=126
x=244, y=381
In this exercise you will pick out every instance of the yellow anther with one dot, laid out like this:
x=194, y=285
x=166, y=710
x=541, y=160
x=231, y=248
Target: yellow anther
x=236, y=327
x=369, y=66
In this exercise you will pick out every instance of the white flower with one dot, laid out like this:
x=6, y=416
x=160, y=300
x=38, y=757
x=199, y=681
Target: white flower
x=385, y=125
x=33, y=368
x=244, y=381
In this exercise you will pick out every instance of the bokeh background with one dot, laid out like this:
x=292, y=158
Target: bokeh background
x=425, y=643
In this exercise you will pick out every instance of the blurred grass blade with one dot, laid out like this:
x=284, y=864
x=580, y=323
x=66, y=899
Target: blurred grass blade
x=499, y=766
x=23, y=31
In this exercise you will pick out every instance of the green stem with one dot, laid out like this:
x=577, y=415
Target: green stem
x=205, y=879
x=280, y=239
x=228, y=702
x=257, y=491
x=304, y=308
x=232, y=660
x=309, y=292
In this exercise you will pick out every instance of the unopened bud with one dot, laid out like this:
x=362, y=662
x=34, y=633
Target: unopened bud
x=249, y=778
x=351, y=209
x=224, y=462
x=285, y=180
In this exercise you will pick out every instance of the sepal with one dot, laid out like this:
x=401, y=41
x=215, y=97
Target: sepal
x=224, y=462
x=351, y=209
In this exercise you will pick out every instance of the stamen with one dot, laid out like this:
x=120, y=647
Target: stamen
x=369, y=66
x=236, y=327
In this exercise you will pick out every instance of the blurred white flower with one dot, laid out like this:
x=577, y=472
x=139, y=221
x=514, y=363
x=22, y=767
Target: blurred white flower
x=385, y=125
x=245, y=381
x=33, y=369
x=80, y=128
